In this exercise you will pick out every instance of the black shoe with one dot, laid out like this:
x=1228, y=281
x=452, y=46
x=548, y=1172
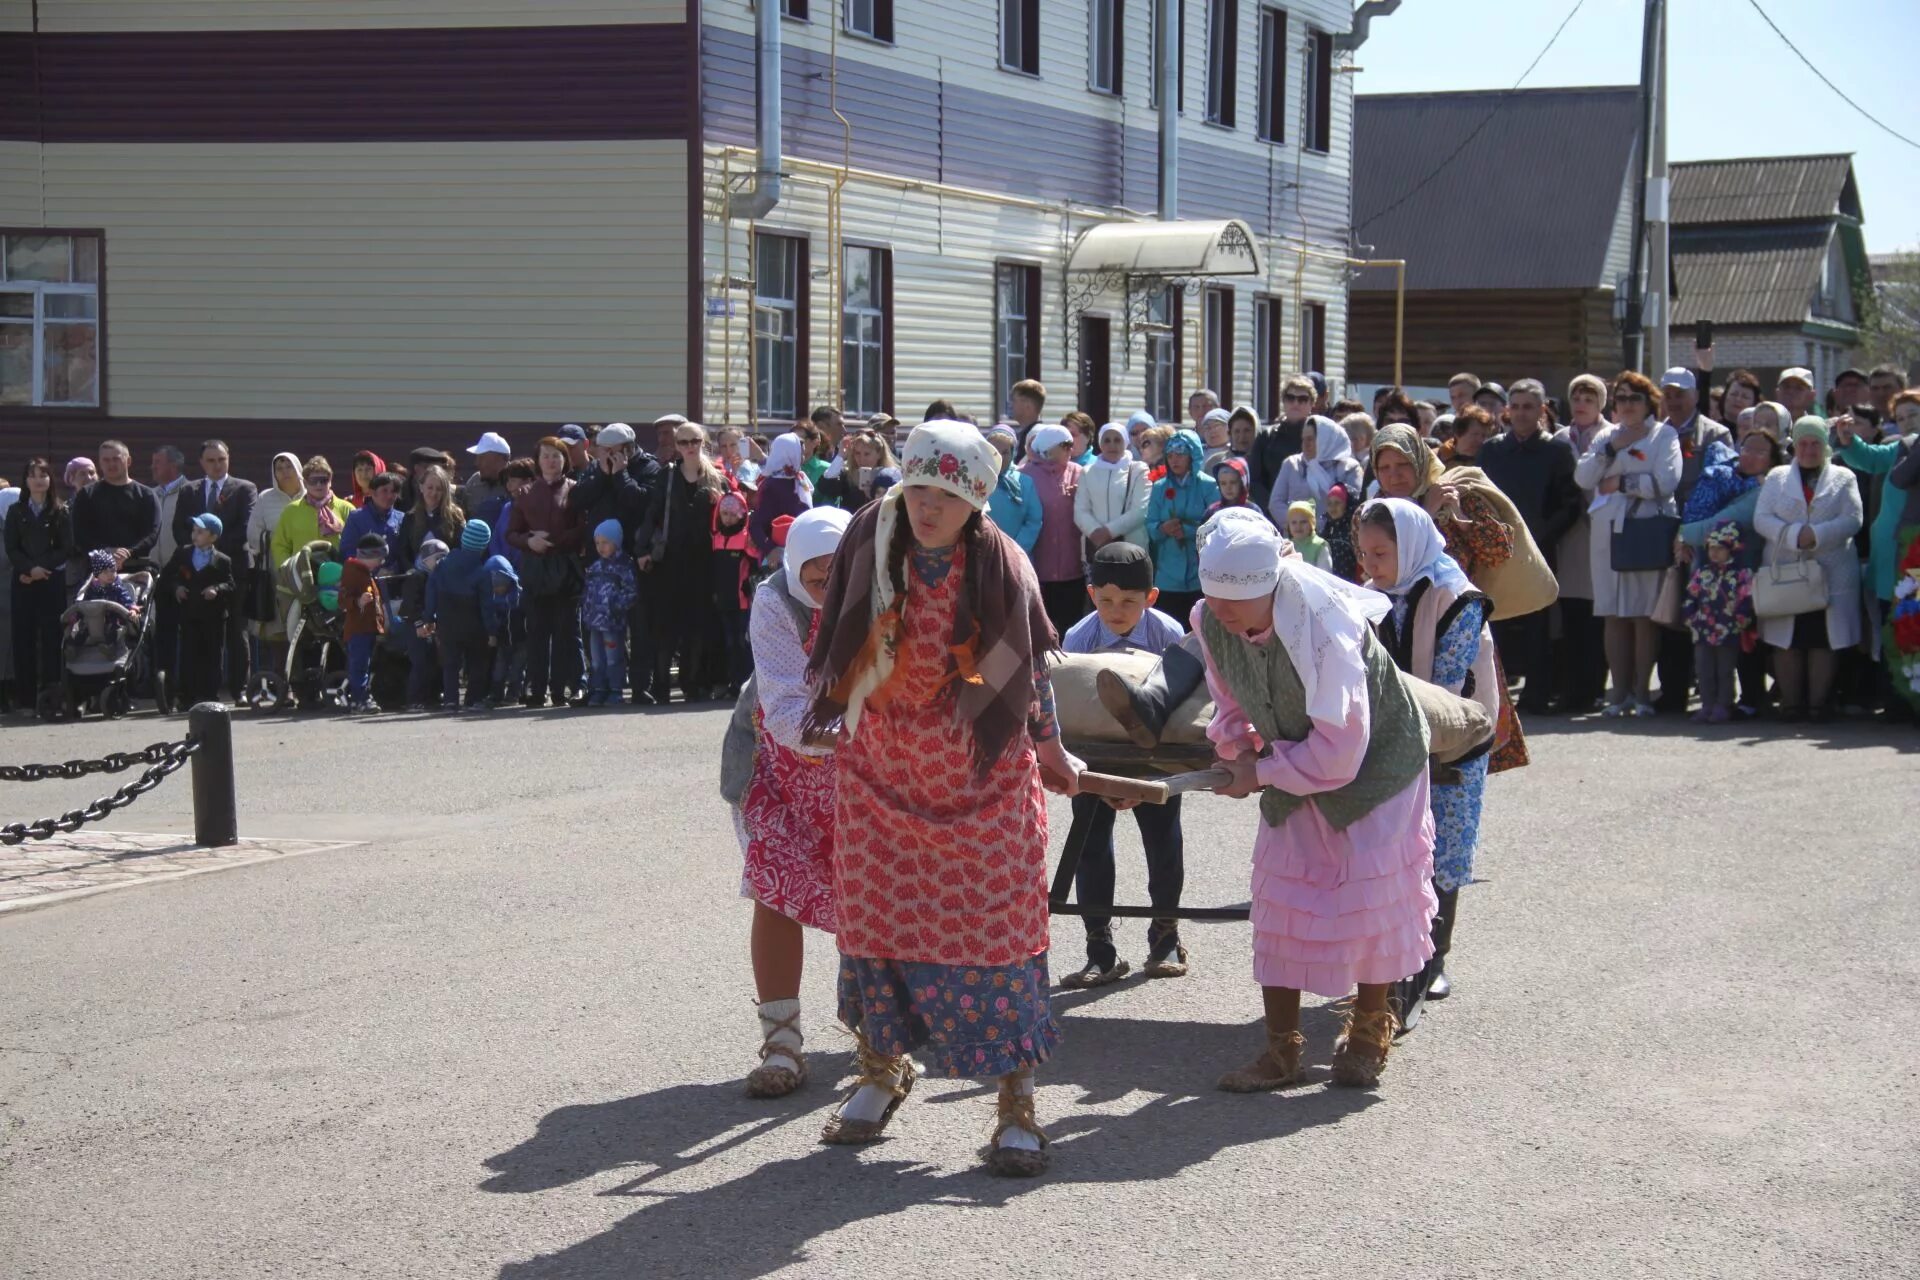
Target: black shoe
x=1143, y=709
x=1441, y=987
x=641, y=698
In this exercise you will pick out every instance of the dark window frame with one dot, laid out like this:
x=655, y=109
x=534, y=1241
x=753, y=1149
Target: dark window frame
x=1317, y=136
x=802, y=324
x=1268, y=376
x=1029, y=51
x=1116, y=11
x=1221, y=337
x=882, y=32
x=795, y=11
x=78, y=411
x=1003, y=395
x=886, y=320
x=1223, y=62
x=1270, y=124
x=1313, y=338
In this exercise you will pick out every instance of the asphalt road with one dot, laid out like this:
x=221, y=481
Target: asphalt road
x=503, y=1037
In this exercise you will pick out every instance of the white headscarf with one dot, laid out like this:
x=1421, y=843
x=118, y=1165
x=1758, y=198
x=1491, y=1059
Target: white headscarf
x=1241, y=561
x=1043, y=438
x=1229, y=517
x=1332, y=452
x=953, y=456
x=1423, y=550
x=786, y=458
x=1323, y=621
x=812, y=534
x=1099, y=459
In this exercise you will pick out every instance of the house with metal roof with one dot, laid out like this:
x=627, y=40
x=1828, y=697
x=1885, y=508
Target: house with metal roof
x=1770, y=250
x=1514, y=211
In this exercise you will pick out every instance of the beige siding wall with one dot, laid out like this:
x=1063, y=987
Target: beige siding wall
x=16, y=15
x=496, y=281
x=20, y=185
x=281, y=15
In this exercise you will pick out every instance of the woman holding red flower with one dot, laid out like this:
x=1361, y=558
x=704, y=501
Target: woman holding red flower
x=1633, y=470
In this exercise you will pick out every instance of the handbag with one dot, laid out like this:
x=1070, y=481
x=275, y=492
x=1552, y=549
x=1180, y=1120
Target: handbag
x=1670, y=606
x=1643, y=542
x=1788, y=588
x=554, y=574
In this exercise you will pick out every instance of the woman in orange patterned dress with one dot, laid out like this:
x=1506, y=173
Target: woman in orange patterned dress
x=931, y=656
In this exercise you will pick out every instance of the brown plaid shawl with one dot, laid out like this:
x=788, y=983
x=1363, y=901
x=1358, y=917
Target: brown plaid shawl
x=1000, y=629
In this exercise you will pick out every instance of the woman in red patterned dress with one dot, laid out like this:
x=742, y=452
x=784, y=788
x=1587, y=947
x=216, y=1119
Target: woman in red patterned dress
x=931, y=654
x=785, y=819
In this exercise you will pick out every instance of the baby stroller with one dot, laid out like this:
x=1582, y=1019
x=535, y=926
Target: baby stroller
x=104, y=652
x=309, y=597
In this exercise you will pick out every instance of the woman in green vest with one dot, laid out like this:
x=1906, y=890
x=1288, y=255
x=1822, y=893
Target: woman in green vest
x=1311, y=714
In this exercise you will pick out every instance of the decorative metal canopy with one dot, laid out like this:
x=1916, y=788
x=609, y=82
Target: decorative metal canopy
x=1142, y=260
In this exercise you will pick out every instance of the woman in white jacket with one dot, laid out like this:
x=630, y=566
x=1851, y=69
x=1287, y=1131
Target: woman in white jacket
x=1111, y=502
x=1635, y=466
x=1810, y=510
x=1325, y=460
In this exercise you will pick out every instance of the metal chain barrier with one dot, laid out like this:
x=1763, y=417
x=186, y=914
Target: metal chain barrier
x=161, y=759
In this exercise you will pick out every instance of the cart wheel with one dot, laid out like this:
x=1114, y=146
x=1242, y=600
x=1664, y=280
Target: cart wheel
x=116, y=702
x=333, y=691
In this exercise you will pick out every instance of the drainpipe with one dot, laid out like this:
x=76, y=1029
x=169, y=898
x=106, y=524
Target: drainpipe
x=758, y=198
x=1169, y=34
x=1363, y=17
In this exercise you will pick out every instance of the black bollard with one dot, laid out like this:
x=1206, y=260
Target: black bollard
x=216, y=817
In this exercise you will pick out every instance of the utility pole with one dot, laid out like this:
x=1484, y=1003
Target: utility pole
x=1658, y=317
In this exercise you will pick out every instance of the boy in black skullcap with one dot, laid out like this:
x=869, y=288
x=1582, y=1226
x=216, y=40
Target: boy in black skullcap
x=1120, y=582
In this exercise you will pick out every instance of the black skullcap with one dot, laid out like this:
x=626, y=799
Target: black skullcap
x=1122, y=565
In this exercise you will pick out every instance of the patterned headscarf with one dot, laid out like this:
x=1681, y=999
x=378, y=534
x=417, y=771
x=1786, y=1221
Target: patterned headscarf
x=953, y=456
x=1405, y=441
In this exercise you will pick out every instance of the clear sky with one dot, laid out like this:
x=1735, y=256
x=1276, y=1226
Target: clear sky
x=1737, y=90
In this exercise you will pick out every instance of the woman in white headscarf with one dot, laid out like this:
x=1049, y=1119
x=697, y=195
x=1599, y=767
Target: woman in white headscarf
x=1310, y=713
x=1111, y=503
x=784, y=489
x=785, y=819
x=1437, y=630
x=1325, y=460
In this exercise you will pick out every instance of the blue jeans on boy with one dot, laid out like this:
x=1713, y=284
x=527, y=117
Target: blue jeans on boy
x=1166, y=869
x=607, y=664
x=359, y=664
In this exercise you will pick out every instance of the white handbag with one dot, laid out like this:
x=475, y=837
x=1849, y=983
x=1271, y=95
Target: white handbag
x=1789, y=588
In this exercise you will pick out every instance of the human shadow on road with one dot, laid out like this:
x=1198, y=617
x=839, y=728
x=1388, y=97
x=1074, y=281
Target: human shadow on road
x=756, y=1225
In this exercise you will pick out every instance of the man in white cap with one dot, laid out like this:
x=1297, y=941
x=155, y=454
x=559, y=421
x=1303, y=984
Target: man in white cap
x=1680, y=403
x=490, y=454
x=1795, y=390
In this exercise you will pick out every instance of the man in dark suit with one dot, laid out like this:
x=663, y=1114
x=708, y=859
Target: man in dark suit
x=232, y=499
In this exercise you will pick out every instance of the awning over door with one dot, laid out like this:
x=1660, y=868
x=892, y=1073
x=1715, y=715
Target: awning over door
x=1179, y=249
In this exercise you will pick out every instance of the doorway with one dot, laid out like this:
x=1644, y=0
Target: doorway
x=1096, y=369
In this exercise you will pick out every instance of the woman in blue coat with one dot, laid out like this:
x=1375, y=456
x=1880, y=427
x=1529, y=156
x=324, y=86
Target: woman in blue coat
x=1015, y=503
x=1175, y=511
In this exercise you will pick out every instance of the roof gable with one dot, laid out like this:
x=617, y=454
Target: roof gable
x=1529, y=203
x=1764, y=189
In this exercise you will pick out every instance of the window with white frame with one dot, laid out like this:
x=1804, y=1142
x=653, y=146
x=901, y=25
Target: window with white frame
x=1223, y=60
x=1272, y=124
x=865, y=330
x=1163, y=356
x=870, y=18
x=49, y=319
x=1266, y=359
x=779, y=313
x=1020, y=35
x=1106, y=21
x=1016, y=299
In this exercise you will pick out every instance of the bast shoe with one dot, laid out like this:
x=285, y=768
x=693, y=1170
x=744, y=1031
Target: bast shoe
x=1277, y=1066
x=1092, y=975
x=1360, y=1050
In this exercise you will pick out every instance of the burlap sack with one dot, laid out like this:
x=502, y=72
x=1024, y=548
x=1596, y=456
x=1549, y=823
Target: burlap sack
x=1456, y=725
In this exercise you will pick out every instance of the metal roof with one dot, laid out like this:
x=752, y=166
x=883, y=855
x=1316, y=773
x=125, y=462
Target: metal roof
x=1764, y=189
x=1747, y=276
x=1186, y=248
x=1530, y=202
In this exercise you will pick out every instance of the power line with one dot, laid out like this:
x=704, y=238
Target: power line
x=1478, y=128
x=1795, y=50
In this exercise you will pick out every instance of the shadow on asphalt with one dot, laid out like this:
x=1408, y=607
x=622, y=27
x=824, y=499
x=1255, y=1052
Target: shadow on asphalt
x=758, y=1224
x=1838, y=735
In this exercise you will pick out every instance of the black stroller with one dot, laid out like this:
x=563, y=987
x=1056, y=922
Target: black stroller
x=105, y=651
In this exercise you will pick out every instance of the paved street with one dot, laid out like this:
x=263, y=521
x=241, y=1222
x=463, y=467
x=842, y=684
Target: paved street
x=498, y=1032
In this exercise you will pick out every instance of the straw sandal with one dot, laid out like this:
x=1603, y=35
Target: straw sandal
x=895, y=1075
x=1092, y=975
x=1360, y=1051
x=1171, y=965
x=1277, y=1066
x=777, y=1082
x=1016, y=1112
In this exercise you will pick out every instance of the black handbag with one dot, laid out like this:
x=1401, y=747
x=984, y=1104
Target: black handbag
x=554, y=574
x=1643, y=543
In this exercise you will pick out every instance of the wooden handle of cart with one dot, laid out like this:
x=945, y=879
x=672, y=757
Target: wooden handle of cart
x=1112, y=787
